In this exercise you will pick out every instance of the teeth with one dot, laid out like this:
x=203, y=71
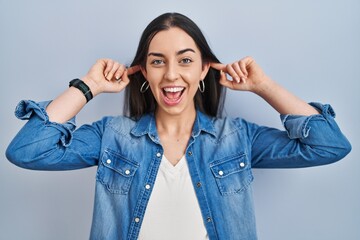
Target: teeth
x=173, y=89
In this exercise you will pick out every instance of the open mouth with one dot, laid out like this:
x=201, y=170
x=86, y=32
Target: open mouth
x=172, y=95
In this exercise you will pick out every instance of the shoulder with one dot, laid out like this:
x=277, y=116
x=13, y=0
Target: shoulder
x=229, y=123
x=119, y=124
x=218, y=126
x=222, y=127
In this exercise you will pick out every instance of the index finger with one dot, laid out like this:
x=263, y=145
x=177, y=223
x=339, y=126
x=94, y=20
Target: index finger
x=133, y=69
x=218, y=66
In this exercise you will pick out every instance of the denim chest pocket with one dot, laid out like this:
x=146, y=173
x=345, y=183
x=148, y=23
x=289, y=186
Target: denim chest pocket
x=115, y=172
x=232, y=174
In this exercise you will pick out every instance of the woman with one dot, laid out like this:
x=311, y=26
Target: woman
x=173, y=169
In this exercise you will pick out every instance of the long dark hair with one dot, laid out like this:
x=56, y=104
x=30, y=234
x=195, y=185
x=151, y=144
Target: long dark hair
x=210, y=102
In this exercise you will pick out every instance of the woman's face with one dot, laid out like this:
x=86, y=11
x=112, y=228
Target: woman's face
x=173, y=69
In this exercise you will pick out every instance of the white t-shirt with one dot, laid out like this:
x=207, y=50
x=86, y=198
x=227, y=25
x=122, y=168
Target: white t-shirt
x=173, y=211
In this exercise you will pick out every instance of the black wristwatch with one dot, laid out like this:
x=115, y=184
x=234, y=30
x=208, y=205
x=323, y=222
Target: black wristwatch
x=79, y=84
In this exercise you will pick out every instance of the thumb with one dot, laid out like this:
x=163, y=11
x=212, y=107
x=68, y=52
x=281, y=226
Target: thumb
x=224, y=80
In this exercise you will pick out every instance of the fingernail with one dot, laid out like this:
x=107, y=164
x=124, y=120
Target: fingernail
x=244, y=80
x=237, y=79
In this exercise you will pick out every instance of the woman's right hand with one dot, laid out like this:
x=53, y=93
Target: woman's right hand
x=107, y=75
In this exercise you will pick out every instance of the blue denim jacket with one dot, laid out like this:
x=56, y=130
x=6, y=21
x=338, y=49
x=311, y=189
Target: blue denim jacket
x=220, y=155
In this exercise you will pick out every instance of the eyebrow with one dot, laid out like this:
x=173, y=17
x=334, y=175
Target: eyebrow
x=177, y=53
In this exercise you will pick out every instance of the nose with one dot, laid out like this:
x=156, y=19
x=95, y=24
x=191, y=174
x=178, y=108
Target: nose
x=171, y=73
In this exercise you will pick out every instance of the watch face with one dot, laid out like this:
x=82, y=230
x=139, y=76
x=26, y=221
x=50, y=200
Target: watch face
x=79, y=84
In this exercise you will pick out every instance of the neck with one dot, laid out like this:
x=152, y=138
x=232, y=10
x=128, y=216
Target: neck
x=175, y=125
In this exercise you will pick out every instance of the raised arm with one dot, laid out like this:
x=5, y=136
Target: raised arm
x=248, y=76
x=312, y=136
x=49, y=140
x=105, y=75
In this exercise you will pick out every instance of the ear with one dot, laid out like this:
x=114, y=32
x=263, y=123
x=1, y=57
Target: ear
x=205, y=69
x=143, y=71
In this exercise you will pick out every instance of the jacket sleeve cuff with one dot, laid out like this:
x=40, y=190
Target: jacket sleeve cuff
x=28, y=109
x=298, y=126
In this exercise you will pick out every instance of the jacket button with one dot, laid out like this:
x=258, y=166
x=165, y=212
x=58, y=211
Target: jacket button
x=190, y=153
x=158, y=154
x=242, y=164
x=108, y=161
x=147, y=186
x=127, y=171
x=221, y=173
x=208, y=219
x=137, y=219
x=198, y=184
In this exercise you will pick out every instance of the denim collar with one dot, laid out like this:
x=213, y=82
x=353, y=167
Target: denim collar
x=147, y=125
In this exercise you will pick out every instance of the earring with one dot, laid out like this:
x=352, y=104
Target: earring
x=144, y=87
x=201, y=86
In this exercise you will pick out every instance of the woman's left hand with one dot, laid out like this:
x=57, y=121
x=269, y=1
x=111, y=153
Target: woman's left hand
x=246, y=75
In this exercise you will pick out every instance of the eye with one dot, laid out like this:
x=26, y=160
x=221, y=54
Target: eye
x=157, y=62
x=186, y=61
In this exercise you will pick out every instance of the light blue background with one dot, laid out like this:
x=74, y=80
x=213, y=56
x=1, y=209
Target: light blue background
x=310, y=47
